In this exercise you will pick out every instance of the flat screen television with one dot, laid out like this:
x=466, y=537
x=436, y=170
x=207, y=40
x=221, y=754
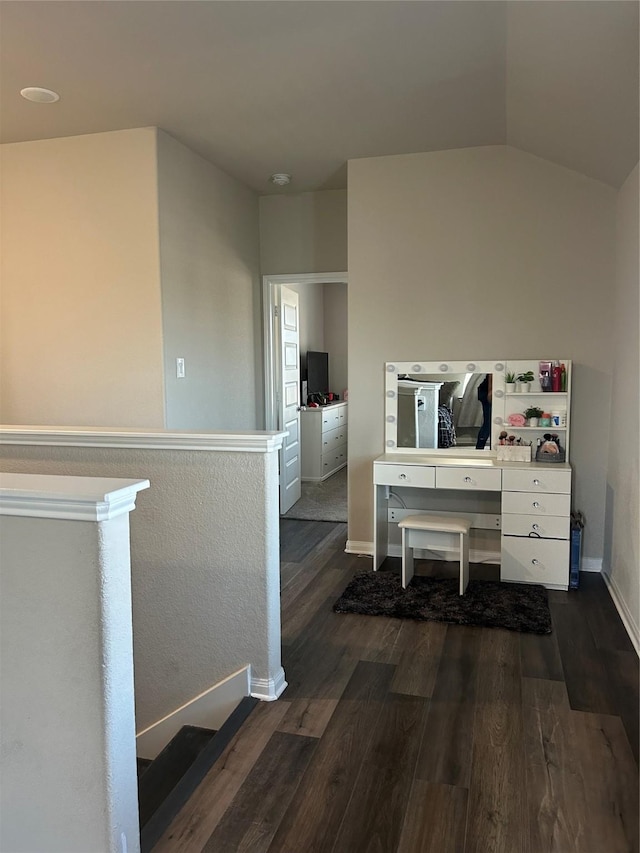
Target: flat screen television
x=317, y=372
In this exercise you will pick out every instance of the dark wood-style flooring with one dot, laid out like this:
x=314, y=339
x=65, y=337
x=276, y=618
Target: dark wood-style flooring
x=421, y=737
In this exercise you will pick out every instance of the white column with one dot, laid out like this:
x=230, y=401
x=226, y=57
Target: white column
x=68, y=725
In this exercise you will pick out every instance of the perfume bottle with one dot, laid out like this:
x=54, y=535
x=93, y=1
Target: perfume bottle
x=545, y=375
x=545, y=381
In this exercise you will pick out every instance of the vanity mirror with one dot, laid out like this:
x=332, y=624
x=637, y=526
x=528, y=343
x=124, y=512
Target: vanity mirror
x=434, y=407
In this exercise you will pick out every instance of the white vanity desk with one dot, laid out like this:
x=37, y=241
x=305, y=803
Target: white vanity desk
x=519, y=511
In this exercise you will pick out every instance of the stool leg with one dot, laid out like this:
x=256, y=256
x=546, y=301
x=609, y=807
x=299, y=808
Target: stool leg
x=407, y=559
x=464, y=562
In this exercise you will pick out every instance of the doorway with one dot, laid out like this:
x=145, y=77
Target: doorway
x=322, y=327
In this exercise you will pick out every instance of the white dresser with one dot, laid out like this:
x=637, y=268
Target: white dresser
x=324, y=440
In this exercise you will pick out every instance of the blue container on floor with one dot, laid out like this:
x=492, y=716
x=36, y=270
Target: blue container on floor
x=577, y=524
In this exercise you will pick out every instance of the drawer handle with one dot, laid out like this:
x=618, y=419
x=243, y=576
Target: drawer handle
x=536, y=505
x=536, y=482
x=536, y=526
x=535, y=562
x=467, y=479
x=403, y=476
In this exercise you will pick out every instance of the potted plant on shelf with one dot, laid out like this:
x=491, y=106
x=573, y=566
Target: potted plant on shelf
x=524, y=380
x=510, y=382
x=532, y=414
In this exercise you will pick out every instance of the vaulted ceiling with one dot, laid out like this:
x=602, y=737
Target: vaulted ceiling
x=301, y=87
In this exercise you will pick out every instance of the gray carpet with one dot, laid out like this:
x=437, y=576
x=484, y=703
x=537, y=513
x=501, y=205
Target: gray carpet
x=326, y=501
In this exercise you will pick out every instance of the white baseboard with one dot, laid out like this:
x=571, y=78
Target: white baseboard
x=625, y=614
x=208, y=710
x=268, y=689
x=355, y=547
x=591, y=564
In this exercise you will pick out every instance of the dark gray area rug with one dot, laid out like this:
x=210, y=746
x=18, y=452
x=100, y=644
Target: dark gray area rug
x=514, y=606
x=325, y=501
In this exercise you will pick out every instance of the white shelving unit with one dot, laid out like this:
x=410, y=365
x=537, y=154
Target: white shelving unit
x=516, y=402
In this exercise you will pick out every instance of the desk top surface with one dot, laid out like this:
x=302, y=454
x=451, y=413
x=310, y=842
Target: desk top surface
x=467, y=462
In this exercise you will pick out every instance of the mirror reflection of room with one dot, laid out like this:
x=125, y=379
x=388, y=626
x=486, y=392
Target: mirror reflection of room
x=438, y=413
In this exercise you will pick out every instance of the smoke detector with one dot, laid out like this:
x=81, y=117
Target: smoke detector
x=39, y=95
x=280, y=179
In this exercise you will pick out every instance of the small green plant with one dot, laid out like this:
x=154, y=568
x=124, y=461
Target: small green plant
x=533, y=412
x=525, y=377
x=510, y=378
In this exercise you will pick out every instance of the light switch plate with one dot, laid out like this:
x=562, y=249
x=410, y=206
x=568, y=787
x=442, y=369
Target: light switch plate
x=180, y=368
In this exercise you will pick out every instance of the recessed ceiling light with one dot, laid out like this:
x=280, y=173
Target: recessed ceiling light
x=280, y=179
x=39, y=95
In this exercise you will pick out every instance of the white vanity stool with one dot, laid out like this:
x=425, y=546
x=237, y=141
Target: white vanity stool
x=417, y=531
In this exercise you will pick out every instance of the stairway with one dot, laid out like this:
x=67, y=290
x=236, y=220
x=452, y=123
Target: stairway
x=156, y=781
x=166, y=783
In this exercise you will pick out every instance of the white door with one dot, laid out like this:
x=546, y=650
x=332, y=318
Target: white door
x=289, y=399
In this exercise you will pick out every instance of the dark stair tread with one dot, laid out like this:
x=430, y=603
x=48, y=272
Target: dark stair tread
x=178, y=796
x=143, y=764
x=169, y=766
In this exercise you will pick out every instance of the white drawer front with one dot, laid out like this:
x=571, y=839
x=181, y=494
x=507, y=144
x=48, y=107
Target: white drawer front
x=330, y=419
x=404, y=475
x=546, y=526
x=543, y=561
x=335, y=459
x=531, y=503
x=483, y=479
x=548, y=482
x=332, y=439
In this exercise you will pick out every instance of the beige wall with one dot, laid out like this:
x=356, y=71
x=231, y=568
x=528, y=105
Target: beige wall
x=335, y=334
x=303, y=233
x=81, y=339
x=208, y=224
x=622, y=549
x=473, y=254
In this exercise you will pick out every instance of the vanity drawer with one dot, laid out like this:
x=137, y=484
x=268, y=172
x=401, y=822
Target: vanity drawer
x=558, y=482
x=546, y=526
x=532, y=503
x=483, y=479
x=544, y=561
x=421, y=476
x=333, y=439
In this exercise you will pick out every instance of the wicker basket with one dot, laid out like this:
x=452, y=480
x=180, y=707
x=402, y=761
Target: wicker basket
x=551, y=457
